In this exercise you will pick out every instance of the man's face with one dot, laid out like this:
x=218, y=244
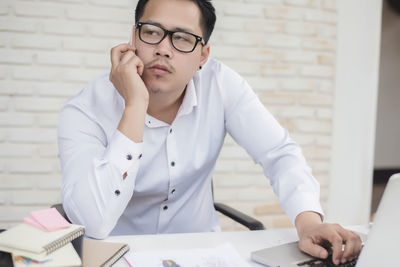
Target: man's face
x=168, y=70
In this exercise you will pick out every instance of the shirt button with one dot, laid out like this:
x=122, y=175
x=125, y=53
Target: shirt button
x=172, y=163
x=173, y=191
x=129, y=157
x=117, y=192
x=165, y=207
x=140, y=156
x=170, y=130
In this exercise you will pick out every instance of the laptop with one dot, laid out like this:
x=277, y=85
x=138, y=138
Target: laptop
x=380, y=249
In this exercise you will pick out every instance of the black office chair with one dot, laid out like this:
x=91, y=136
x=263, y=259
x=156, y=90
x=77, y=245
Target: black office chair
x=237, y=216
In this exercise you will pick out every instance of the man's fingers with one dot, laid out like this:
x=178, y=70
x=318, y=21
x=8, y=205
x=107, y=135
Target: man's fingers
x=116, y=53
x=353, y=246
x=336, y=241
x=133, y=38
x=128, y=57
x=129, y=61
x=140, y=68
x=315, y=250
x=352, y=243
x=125, y=57
x=348, y=251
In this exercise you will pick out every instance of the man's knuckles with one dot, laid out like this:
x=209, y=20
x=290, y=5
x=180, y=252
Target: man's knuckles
x=336, y=239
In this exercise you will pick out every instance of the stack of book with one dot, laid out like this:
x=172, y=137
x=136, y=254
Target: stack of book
x=45, y=238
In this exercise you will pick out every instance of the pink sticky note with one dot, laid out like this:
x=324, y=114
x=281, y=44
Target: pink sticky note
x=32, y=222
x=50, y=219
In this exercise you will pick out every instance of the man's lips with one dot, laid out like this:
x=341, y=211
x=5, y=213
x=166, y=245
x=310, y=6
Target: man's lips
x=160, y=69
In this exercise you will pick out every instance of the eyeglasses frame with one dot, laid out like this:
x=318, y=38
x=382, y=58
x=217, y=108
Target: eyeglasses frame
x=170, y=33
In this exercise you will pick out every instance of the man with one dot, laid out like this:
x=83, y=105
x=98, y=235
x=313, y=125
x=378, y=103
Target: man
x=138, y=146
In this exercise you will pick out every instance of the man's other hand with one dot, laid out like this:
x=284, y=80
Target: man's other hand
x=314, y=235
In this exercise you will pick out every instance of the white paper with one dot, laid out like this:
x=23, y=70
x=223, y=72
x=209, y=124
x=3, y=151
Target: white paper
x=224, y=255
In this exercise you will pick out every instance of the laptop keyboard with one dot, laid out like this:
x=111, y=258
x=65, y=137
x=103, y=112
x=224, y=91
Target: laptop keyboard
x=326, y=263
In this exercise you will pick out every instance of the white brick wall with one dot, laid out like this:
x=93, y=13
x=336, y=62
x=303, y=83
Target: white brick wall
x=49, y=50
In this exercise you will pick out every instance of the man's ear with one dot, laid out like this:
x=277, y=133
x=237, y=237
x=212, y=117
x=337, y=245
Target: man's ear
x=205, y=52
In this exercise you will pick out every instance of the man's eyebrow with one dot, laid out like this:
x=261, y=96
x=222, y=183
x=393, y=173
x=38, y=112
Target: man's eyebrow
x=174, y=29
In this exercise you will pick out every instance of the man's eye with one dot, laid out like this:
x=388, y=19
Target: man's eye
x=181, y=38
x=150, y=32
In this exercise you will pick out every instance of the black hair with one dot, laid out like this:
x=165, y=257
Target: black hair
x=207, y=20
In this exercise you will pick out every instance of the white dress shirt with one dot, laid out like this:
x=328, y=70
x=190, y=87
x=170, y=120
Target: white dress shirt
x=168, y=186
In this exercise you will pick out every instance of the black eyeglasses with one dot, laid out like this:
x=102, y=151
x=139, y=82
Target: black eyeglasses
x=182, y=41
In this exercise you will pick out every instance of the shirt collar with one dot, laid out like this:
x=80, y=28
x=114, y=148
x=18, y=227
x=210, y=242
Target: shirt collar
x=188, y=103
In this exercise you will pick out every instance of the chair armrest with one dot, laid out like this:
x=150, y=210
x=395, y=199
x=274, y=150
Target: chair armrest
x=239, y=217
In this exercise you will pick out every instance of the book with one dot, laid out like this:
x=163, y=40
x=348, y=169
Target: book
x=100, y=253
x=62, y=257
x=26, y=240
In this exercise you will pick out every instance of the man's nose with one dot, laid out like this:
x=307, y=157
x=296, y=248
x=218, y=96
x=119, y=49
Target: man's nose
x=164, y=48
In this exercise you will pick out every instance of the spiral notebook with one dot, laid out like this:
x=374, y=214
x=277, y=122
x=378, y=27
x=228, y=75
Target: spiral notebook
x=62, y=257
x=28, y=241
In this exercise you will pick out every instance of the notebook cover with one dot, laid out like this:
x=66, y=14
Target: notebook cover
x=100, y=253
x=29, y=241
x=65, y=256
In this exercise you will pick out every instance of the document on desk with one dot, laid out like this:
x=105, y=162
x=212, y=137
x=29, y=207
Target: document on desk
x=224, y=255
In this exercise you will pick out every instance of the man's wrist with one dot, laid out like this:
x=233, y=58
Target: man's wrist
x=138, y=102
x=306, y=219
x=132, y=121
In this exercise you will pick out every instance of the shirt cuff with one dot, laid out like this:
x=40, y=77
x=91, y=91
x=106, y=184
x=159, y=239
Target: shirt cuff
x=300, y=203
x=122, y=152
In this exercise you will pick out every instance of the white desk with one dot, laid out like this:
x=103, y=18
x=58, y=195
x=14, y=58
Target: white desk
x=245, y=241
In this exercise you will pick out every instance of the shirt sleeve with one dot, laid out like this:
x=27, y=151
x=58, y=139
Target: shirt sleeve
x=98, y=174
x=269, y=144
